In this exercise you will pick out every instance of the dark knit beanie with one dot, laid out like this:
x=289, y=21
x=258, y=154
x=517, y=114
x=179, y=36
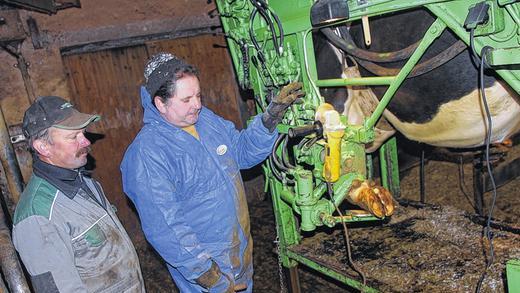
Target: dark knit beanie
x=159, y=69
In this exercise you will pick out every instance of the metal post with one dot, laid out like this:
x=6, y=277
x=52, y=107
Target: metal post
x=390, y=166
x=293, y=279
x=22, y=65
x=11, y=168
x=478, y=182
x=11, y=268
x=513, y=275
x=421, y=175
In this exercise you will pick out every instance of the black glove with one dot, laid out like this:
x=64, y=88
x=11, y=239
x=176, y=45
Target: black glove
x=279, y=104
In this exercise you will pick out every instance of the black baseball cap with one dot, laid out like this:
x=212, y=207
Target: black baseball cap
x=52, y=111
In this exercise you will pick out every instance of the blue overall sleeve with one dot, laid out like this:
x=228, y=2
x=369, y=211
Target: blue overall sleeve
x=251, y=145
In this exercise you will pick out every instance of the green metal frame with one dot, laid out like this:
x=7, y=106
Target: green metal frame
x=304, y=199
x=513, y=275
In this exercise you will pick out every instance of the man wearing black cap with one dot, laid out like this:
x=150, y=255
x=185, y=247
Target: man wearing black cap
x=65, y=230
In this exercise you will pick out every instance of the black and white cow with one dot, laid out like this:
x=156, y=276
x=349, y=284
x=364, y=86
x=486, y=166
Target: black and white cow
x=442, y=107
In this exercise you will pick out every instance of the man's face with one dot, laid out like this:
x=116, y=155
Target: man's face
x=67, y=148
x=184, y=107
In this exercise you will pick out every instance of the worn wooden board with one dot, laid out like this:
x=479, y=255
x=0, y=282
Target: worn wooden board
x=107, y=83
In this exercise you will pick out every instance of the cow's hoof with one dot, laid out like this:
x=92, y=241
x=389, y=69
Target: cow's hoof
x=373, y=198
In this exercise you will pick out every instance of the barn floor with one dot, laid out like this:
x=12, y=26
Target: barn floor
x=427, y=249
x=423, y=248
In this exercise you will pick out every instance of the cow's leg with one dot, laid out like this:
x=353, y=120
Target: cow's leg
x=478, y=178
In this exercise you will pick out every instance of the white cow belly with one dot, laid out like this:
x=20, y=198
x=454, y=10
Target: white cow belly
x=462, y=123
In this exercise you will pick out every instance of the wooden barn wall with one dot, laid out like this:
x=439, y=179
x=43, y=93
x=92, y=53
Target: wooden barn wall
x=107, y=82
x=97, y=25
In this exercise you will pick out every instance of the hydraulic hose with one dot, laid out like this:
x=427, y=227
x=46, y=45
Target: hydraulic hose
x=366, y=58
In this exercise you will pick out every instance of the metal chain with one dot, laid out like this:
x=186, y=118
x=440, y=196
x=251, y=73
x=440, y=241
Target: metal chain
x=283, y=289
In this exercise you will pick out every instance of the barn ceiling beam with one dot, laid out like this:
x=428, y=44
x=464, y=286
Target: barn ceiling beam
x=131, y=34
x=136, y=40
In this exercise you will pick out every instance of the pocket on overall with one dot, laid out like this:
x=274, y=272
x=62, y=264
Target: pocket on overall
x=95, y=236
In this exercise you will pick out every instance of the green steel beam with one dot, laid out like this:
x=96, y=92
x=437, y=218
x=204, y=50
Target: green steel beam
x=513, y=275
x=506, y=56
x=433, y=33
x=330, y=272
x=359, y=9
x=390, y=166
x=378, y=80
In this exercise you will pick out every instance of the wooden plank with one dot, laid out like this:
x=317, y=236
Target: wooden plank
x=107, y=82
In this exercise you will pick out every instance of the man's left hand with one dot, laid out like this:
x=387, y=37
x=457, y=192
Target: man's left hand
x=279, y=104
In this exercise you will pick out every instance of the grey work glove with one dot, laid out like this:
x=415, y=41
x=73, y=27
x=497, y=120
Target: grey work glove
x=279, y=104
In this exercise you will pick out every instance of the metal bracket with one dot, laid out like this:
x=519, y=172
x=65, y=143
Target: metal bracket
x=495, y=23
x=16, y=135
x=503, y=56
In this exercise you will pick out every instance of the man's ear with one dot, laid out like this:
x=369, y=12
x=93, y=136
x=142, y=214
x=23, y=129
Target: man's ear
x=159, y=104
x=41, y=147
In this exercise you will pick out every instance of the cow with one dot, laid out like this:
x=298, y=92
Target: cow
x=441, y=108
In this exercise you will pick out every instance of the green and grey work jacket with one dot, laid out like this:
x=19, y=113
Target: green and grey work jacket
x=69, y=237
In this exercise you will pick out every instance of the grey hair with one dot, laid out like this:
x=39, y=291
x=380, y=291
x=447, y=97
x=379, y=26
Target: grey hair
x=43, y=135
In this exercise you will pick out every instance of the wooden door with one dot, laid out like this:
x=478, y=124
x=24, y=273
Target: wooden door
x=107, y=83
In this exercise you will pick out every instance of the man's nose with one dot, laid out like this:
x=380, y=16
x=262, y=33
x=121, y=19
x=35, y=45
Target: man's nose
x=84, y=142
x=197, y=103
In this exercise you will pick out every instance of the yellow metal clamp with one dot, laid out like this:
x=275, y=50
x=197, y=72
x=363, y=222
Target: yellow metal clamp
x=333, y=131
x=332, y=166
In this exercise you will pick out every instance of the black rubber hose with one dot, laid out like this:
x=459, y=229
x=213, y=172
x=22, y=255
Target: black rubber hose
x=259, y=7
x=285, y=153
x=276, y=161
x=421, y=68
x=366, y=58
x=347, y=44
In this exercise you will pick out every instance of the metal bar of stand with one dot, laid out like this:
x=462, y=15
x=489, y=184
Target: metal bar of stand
x=330, y=272
x=478, y=188
x=11, y=268
x=11, y=167
x=421, y=178
x=294, y=279
x=390, y=167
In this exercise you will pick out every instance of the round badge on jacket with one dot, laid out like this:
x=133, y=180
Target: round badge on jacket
x=221, y=149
